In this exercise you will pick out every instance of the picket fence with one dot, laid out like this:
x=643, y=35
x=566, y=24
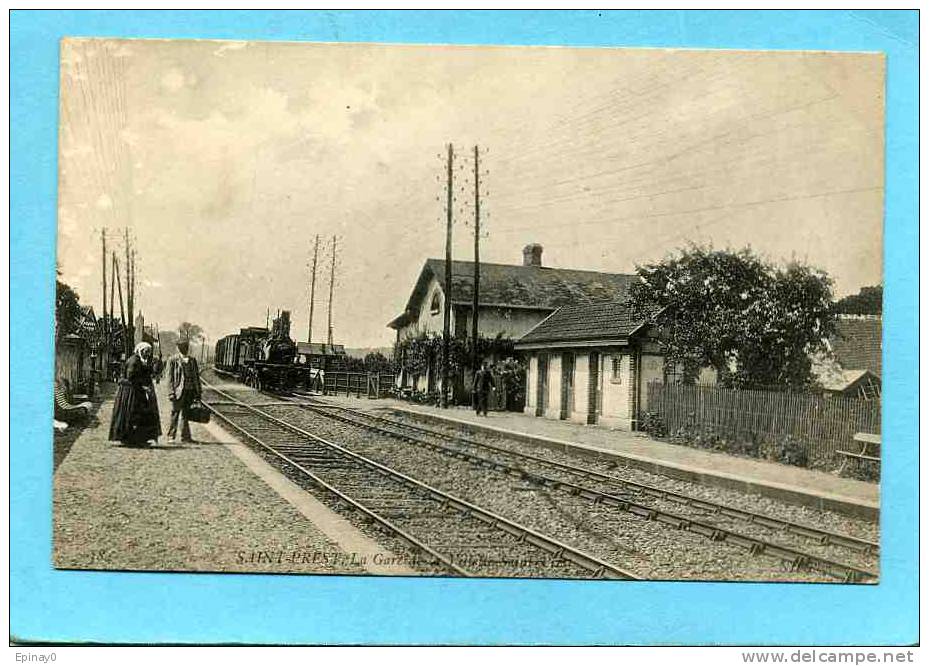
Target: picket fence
x=372, y=385
x=821, y=423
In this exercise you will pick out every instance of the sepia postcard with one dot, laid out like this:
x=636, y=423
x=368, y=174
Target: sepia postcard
x=471, y=311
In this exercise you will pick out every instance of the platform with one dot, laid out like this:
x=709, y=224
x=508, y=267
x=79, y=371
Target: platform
x=213, y=505
x=796, y=485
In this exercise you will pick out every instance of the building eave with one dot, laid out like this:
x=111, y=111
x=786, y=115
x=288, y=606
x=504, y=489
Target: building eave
x=400, y=321
x=570, y=344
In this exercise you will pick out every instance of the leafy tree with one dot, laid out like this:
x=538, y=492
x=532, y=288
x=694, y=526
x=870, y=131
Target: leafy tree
x=868, y=301
x=377, y=362
x=188, y=331
x=67, y=309
x=755, y=323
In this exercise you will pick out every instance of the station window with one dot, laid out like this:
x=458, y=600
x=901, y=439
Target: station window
x=616, y=369
x=436, y=304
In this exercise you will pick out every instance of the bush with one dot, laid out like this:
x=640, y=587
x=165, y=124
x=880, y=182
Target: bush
x=752, y=446
x=513, y=373
x=654, y=425
x=788, y=450
x=709, y=439
x=864, y=471
x=377, y=362
x=792, y=451
x=422, y=397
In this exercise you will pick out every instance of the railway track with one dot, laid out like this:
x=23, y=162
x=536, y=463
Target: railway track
x=715, y=521
x=452, y=535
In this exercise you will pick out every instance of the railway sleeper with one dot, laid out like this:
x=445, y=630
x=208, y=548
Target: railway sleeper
x=800, y=562
x=650, y=514
x=853, y=577
x=667, y=519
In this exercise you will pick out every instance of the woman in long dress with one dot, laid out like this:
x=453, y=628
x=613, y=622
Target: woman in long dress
x=135, y=409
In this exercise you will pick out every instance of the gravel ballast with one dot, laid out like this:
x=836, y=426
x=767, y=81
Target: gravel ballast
x=826, y=520
x=832, y=522
x=650, y=550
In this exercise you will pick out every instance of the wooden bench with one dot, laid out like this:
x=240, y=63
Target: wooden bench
x=65, y=410
x=865, y=452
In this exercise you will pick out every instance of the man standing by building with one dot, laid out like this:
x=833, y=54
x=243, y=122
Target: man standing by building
x=483, y=384
x=183, y=389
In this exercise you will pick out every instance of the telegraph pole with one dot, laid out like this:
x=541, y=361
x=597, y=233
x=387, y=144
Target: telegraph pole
x=122, y=313
x=446, y=319
x=130, y=325
x=114, y=281
x=132, y=297
x=106, y=324
x=331, y=284
x=475, y=316
x=309, y=329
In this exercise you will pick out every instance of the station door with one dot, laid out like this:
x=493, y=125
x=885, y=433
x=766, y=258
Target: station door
x=593, y=388
x=541, y=395
x=567, y=385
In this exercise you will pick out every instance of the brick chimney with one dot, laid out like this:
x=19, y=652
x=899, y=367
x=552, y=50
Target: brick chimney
x=532, y=255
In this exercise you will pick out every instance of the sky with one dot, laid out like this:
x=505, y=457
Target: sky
x=224, y=160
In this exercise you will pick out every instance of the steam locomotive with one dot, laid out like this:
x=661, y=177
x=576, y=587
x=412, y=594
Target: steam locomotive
x=266, y=359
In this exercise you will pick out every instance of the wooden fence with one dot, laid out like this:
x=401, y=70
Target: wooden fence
x=822, y=424
x=78, y=366
x=372, y=385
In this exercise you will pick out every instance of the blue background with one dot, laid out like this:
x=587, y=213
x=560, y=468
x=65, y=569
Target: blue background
x=121, y=607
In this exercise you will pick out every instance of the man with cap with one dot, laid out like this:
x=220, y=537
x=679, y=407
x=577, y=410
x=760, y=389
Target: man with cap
x=183, y=389
x=483, y=385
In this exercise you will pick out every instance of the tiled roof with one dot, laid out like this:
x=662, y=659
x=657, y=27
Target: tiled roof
x=858, y=343
x=841, y=381
x=604, y=320
x=511, y=285
x=507, y=284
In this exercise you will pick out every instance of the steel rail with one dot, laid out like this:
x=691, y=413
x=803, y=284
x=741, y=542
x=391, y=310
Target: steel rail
x=346, y=498
x=796, y=558
x=822, y=536
x=598, y=567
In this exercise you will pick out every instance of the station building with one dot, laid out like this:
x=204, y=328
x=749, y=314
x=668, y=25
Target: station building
x=321, y=355
x=591, y=363
x=513, y=299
